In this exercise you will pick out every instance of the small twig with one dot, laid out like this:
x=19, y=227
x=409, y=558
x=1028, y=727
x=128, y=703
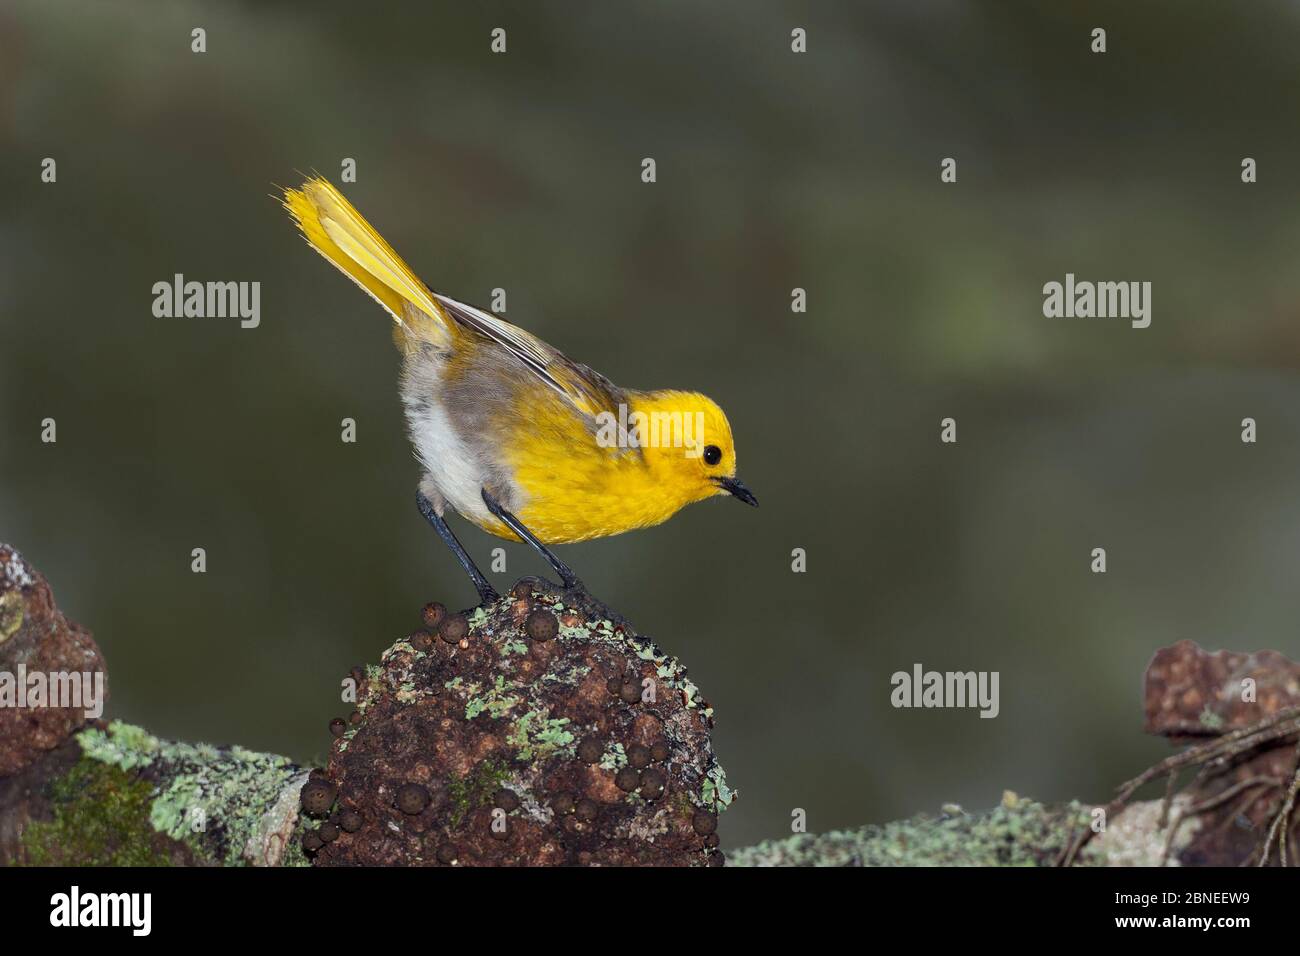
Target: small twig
x=1212, y=758
x=1167, y=802
x=1209, y=804
x=1283, y=818
x=1243, y=808
x=1075, y=845
x=1069, y=842
x=1219, y=750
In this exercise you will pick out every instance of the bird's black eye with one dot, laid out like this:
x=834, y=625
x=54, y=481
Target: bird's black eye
x=712, y=454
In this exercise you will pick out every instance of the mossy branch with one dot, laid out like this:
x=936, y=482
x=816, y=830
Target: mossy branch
x=115, y=795
x=544, y=729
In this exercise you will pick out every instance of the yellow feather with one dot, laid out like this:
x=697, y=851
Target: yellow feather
x=338, y=232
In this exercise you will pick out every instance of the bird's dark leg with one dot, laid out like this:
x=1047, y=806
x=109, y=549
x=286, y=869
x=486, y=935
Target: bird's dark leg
x=571, y=582
x=486, y=592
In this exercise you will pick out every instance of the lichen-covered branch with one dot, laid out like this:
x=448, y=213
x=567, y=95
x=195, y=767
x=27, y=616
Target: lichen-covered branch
x=542, y=729
x=117, y=796
x=120, y=797
x=1018, y=832
x=538, y=729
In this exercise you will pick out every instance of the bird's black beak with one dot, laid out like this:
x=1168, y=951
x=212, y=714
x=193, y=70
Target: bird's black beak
x=736, y=487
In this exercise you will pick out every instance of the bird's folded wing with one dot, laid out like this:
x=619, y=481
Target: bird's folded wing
x=586, y=388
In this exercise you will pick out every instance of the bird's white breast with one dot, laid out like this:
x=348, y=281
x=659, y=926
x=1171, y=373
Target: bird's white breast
x=455, y=469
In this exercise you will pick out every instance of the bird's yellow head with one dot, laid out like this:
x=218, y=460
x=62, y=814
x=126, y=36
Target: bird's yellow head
x=686, y=440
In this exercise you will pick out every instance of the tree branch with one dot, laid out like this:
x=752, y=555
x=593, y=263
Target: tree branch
x=543, y=729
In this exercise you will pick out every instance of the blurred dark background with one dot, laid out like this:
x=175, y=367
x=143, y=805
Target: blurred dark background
x=775, y=170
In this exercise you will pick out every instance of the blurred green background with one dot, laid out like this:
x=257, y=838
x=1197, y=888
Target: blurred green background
x=775, y=170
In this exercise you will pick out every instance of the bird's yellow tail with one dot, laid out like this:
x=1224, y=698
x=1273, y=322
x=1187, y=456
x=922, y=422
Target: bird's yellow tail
x=338, y=232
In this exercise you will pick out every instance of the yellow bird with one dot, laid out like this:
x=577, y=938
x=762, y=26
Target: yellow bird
x=511, y=434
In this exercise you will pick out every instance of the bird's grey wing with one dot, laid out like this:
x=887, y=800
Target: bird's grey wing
x=588, y=390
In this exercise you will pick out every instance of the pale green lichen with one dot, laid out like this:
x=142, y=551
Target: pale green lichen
x=1020, y=832
x=537, y=737
x=581, y=631
x=613, y=758
x=670, y=671
x=553, y=737
x=1210, y=720
x=714, y=793
x=124, y=745
x=211, y=799
x=496, y=702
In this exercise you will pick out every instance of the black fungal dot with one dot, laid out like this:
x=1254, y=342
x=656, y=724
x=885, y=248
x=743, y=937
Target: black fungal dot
x=590, y=750
x=638, y=756
x=563, y=804
x=704, y=822
x=350, y=821
x=338, y=726
x=507, y=800
x=433, y=614
x=627, y=779
x=328, y=832
x=659, y=751
x=447, y=853
x=630, y=692
x=412, y=798
x=653, y=782
x=454, y=629
x=587, y=810
x=541, y=625
x=317, y=796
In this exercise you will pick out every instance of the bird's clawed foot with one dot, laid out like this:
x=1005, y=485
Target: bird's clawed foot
x=570, y=581
x=570, y=584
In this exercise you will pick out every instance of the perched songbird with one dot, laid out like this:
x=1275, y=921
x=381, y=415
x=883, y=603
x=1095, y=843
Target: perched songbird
x=512, y=435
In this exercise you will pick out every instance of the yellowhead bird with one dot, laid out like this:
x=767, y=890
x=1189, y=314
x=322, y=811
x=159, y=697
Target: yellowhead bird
x=514, y=436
